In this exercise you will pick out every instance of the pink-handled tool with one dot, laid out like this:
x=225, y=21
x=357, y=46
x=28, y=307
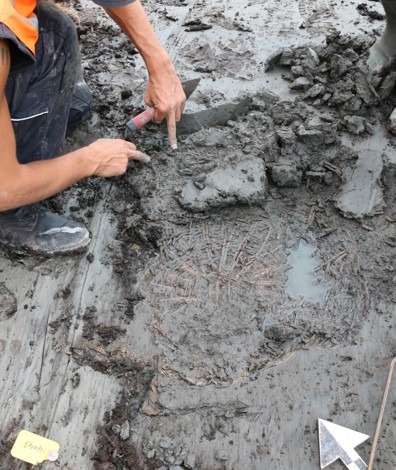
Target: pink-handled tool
x=141, y=119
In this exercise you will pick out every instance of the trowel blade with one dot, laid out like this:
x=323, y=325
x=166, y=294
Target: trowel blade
x=213, y=117
x=189, y=86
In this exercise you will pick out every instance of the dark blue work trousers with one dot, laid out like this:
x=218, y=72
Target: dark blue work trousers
x=40, y=95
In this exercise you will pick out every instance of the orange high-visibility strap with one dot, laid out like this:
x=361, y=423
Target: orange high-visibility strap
x=20, y=19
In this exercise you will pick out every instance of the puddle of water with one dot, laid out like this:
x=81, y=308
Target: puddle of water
x=301, y=277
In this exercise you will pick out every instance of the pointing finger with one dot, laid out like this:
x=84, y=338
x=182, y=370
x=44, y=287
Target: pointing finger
x=140, y=156
x=172, y=131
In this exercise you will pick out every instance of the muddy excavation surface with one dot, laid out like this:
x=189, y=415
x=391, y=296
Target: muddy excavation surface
x=237, y=289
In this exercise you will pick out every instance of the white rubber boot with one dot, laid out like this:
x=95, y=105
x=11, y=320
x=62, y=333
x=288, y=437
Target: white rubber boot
x=384, y=50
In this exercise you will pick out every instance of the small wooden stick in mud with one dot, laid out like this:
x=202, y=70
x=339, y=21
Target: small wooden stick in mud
x=329, y=166
x=381, y=414
x=257, y=256
x=311, y=216
x=241, y=247
x=334, y=259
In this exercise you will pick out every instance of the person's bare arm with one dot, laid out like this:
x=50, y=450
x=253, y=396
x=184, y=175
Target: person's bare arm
x=164, y=90
x=24, y=184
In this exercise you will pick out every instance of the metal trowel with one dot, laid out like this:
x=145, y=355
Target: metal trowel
x=213, y=117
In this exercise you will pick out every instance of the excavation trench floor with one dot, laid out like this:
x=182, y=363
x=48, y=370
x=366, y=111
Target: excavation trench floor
x=237, y=289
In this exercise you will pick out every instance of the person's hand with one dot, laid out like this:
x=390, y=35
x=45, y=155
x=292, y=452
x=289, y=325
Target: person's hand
x=166, y=94
x=110, y=157
x=164, y=90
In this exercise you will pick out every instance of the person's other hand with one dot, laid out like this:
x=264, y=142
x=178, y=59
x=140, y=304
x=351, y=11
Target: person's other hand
x=110, y=157
x=166, y=94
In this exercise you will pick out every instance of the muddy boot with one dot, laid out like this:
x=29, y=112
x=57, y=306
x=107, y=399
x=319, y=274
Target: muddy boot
x=35, y=230
x=384, y=50
x=80, y=105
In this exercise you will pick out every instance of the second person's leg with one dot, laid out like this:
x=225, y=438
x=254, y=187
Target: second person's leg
x=384, y=50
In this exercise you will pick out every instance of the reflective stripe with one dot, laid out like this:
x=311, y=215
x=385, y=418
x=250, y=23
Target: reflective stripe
x=29, y=117
x=56, y=230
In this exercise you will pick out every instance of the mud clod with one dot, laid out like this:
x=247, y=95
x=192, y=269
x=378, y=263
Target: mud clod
x=243, y=183
x=8, y=302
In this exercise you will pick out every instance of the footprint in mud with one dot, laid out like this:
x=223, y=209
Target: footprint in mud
x=281, y=18
x=318, y=17
x=284, y=18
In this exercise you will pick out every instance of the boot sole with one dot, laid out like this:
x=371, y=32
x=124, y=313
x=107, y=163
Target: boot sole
x=13, y=251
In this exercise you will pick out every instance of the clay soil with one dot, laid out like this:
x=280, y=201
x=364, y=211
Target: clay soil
x=175, y=342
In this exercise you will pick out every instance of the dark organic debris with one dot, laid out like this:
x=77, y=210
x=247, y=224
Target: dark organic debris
x=196, y=25
x=364, y=10
x=8, y=302
x=119, y=363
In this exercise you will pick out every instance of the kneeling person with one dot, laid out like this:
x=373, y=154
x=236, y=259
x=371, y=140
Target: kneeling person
x=42, y=94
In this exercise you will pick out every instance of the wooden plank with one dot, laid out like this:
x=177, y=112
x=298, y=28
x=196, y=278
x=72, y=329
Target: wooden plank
x=42, y=388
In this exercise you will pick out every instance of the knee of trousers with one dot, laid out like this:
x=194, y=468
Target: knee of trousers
x=40, y=97
x=390, y=10
x=53, y=19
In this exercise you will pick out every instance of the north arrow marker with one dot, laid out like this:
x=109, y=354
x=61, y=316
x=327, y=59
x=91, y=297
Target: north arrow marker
x=337, y=442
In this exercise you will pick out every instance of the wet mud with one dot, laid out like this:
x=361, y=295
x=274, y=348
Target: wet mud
x=206, y=236
x=219, y=364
